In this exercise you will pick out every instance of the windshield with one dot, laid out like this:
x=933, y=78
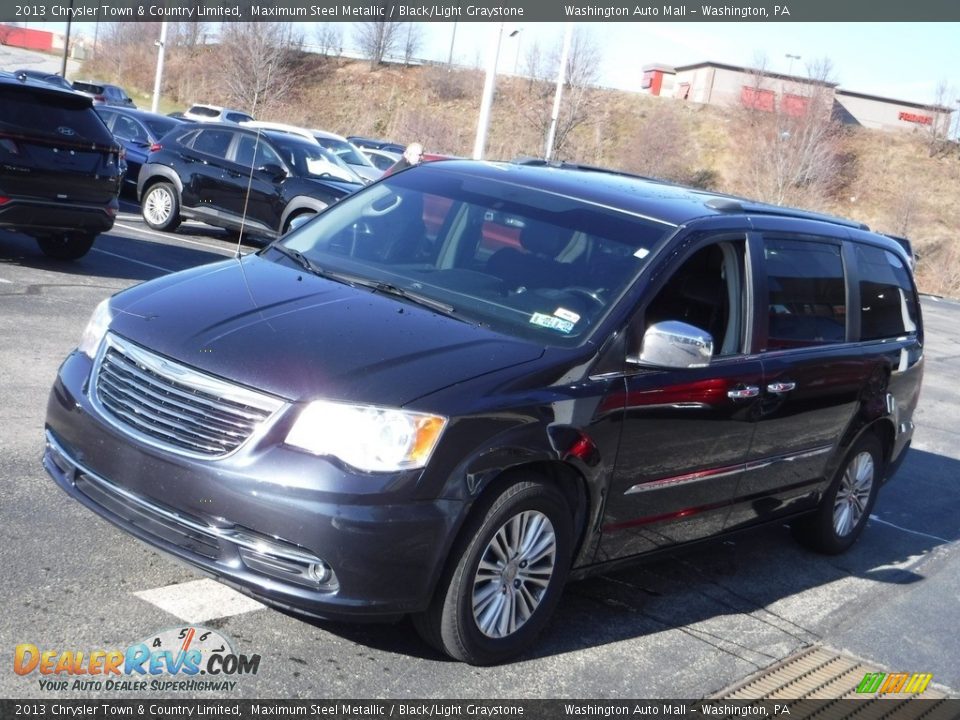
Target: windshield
x=524, y=262
x=345, y=151
x=310, y=160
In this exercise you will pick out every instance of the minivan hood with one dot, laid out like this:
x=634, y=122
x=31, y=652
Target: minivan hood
x=302, y=337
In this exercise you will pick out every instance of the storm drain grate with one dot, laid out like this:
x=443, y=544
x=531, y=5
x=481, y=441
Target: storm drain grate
x=823, y=674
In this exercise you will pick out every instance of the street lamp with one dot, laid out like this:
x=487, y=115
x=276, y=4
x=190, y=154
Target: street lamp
x=561, y=79
x=516, y=59
x=791, y=58
x=486, y=103
x=158, y=76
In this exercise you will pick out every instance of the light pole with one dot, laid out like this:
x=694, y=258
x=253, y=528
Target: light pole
x=791, y=58
x=489, y=83
x=452, y=38
x=158, y=77
x=66, y=44
x=516, y=59
x=561, y=79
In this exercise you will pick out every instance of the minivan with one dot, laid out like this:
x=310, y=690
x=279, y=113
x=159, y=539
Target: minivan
x=463, y=385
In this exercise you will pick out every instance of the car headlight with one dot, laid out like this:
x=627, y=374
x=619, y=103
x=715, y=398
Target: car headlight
x=96, y=328
x=369, y=438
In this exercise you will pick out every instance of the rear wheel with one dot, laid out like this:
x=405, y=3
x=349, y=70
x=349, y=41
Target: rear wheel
x=160, y=207
x=505, y=576
x=846, y=506
x=66, y=246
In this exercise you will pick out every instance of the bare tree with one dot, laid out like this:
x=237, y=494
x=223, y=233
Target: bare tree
x=376, y=40
x=187, y=34
x=255, y=64
x=578, y=105
x=790, y=139
x=413, y=39
x=329, y=36
x=939, y=127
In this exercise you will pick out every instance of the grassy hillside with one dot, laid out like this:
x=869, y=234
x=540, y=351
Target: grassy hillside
x=890, y=181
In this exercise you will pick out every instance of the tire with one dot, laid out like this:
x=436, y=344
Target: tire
x=483, y=616
x=847, y=504
x=160, y=207
x=66, y=246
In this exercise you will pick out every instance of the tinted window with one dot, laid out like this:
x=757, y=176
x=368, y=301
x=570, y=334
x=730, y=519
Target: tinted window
x=237, y=117
x=160, y=127
x=251, y=153
x=63, y=115
x=213, y=142
x=807, y=294
x=88, y=87
x=888, y=304
x=129, y=129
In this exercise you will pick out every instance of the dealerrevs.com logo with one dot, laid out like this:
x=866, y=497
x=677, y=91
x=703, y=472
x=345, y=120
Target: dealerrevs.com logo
x=186, y=659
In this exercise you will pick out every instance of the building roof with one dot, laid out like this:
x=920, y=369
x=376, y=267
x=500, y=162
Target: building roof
x=749, y=70
x=932, y=107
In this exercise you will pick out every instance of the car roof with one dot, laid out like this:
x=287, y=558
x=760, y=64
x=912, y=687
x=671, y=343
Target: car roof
x=8, y=78
x=642, y=196
x=135, y=112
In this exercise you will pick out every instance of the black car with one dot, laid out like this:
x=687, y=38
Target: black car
x=236, y=178
x=103, y=93
x=47, y=77
x=137, y=131
x=467, y=382
x=60, y=168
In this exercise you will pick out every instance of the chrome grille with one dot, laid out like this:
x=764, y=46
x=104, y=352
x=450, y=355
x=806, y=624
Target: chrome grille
x=173, y=406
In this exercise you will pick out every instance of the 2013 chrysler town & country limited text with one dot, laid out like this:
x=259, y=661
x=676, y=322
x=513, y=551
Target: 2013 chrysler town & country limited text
x=459, y=386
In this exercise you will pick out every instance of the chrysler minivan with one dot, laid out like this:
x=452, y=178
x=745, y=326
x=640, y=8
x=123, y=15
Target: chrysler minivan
x=459, y=387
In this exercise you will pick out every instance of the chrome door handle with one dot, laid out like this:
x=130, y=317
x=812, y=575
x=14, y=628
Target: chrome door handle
x=778, y=388
x=748, y=391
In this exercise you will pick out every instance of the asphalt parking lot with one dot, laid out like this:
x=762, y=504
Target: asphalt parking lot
x=686, y=625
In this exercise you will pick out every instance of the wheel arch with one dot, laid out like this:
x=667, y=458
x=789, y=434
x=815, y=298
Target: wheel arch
x=159, y=173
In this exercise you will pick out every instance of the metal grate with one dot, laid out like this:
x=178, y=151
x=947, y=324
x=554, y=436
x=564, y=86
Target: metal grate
x=171, y=405
x=830, y=679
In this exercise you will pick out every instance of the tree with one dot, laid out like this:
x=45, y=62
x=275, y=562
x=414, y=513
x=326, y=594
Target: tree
x=412, y=41
x=255, y=66
x=376, y=40
x=789, y=138
x=578, y=106
x=329, y=37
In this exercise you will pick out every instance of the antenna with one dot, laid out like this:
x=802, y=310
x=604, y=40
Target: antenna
x=246, y=197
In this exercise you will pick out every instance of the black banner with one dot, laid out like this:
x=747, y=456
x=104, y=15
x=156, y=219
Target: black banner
x=41, y=11
x=891, y=708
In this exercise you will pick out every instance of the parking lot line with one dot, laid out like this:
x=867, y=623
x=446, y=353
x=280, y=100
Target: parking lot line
x=128, y=259
x=907, y=530
x=170, y=236
x=199, y=600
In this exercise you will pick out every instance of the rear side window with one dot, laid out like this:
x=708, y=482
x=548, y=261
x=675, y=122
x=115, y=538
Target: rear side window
x=88, y=87
x=888, y=303
x=203, y=111
x=213, y=142
x=806, y=302
x=54, y=114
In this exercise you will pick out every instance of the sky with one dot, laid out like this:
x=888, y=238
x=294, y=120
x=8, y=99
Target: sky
x=904, y=61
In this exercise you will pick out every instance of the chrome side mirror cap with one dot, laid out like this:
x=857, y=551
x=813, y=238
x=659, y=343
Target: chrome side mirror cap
x=674, y=344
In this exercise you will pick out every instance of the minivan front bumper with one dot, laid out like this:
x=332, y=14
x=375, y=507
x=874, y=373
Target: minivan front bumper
x=303, y=548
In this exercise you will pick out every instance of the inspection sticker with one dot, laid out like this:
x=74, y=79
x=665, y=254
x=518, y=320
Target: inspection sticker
x=554, y=323
x=566, y=315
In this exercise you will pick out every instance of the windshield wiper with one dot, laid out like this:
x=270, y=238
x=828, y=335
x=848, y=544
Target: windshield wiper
x=309, y=265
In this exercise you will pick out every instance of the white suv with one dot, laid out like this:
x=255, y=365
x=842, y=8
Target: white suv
x=215, y=113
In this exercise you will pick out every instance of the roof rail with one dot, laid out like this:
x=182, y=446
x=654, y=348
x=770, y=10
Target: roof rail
x=735, y=205
x=564, y=165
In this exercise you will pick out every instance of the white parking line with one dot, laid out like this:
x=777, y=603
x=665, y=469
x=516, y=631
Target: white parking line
x=912, y=532
x=4, y=280
x=128, y=259
x=199, y=600
x=178, y=238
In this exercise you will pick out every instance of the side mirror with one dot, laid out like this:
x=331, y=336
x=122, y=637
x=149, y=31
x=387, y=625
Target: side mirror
x=275, y=172
x=674, y=344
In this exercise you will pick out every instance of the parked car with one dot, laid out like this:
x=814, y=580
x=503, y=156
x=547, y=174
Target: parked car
x=103, y=94
x=47, y=77
x=365, y=143
x=137, y=131
x=60, y=168
x=338, y=167
x=215, y=113
x=236, y=178
x=383, y=160
x=468, y=382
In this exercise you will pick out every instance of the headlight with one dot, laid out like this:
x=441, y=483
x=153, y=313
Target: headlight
x=369, y=438
x=96, y=329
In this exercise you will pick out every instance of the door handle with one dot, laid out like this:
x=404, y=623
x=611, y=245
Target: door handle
x=741, y=393
x=778, y=388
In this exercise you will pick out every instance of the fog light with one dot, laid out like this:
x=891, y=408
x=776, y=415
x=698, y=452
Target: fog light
x=319, y=572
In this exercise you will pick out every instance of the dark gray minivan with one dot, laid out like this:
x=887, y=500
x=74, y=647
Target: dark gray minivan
x=462, y=385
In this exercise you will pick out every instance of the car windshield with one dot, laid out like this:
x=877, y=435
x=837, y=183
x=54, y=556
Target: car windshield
x=521, y=261
x=345, y=151
x=310, y=160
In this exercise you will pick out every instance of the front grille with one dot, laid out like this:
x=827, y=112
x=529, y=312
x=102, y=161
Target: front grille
x=174, y=406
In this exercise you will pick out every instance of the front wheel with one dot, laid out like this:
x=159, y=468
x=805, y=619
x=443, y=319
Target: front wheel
x=66, y=246
x=160, y=207
x=846, y=506
x=505, y=576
